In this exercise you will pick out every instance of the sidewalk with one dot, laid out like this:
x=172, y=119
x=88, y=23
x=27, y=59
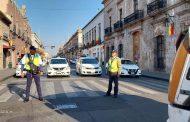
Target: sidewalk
x=156, y=75
x=6, y=74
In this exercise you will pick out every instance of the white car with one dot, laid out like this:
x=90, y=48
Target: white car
x=128, y=68
x=18, y=70
x=88, y=66
x=58, y=67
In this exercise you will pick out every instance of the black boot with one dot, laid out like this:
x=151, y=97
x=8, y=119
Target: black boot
x=41, y=99
x=26, y=100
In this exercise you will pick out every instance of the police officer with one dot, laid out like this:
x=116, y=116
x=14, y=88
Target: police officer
x=114, y=68
x=32, y=62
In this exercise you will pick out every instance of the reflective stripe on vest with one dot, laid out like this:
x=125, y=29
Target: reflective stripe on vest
x=113, y=65
x=36, y=62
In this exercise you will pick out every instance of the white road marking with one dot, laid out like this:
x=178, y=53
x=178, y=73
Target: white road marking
x=124, y=90
x=97, y=85
x=49, y=92
x=66, y=106
x=153, y=84
x=89, y=91
x=2, y=87
x=68, y=89
x=5, y=96
x=140, y=88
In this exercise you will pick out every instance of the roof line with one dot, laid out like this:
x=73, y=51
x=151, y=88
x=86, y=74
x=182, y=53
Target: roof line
x=93, y=19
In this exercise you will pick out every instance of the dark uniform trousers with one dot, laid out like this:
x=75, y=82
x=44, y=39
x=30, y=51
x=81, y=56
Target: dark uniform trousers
x=36, y=77
x=112, y=79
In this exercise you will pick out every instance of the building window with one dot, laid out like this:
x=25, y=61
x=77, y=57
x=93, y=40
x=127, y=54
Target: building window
x=87, y=37
x=112, y=48
x=99, y=28
x=135, y=5
x=160, y=52
x=90, y=36
x=110, y=19
x=120, y=50
x=108, y=53
x=14, y=29
x=95, y=34
x=120, y=14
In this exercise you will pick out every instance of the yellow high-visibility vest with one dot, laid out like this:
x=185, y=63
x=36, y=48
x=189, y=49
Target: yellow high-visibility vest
x=36, y=61
x=113, y=65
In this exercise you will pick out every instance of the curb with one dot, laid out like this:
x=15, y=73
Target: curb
x=157, y=78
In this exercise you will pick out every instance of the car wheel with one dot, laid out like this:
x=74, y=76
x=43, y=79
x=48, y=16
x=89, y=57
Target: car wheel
x=99, y=75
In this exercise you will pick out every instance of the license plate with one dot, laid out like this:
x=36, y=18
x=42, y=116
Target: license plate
x=132, y=73
x=93, y=71
x=58, y=72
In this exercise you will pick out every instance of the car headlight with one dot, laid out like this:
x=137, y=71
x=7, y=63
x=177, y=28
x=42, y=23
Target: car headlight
x=67, y=68
x=50, y=68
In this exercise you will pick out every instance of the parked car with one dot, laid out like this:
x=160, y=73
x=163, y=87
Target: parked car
x=88, y=66
x=58, y=67
x=18, y=70
x=128, y=68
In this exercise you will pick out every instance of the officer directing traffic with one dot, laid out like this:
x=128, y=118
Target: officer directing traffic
x=114, y=68
x=31, y=63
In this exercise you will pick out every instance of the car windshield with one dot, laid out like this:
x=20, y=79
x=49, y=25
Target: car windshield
x=58, y=61
x=126, y=62
x=89, y=61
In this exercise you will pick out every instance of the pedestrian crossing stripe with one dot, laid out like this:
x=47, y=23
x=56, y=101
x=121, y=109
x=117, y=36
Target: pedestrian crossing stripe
x=139, y=88
x=5, y=96
x=49, y=91
x=69, y=90
x=89, y=91
x=2, y=87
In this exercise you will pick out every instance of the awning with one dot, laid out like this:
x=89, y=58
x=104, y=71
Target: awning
x=6, y=47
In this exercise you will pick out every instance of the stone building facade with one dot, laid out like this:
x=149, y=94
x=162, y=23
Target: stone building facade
x=141, y=30
x=5, y=48
x=93, y=37
x=20, y=30
x=73, y=47
x=36, y=41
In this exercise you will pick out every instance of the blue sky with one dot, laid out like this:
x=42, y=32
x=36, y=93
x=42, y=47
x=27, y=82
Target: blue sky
x=56, y=20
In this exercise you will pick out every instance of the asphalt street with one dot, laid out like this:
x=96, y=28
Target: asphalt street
x=81, y=99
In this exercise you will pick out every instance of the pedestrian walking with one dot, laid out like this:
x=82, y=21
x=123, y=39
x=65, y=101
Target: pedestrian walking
x=32, y=63
x=114, y=69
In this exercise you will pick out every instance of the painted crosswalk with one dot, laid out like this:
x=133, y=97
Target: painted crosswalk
x=75, y=88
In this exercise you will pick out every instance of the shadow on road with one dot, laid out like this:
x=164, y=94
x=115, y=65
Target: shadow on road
x=125, y=108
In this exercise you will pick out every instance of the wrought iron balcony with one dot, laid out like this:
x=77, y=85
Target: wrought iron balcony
x=156, y=5
x=118, y=25
x=108, y=31
x=138, y=14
